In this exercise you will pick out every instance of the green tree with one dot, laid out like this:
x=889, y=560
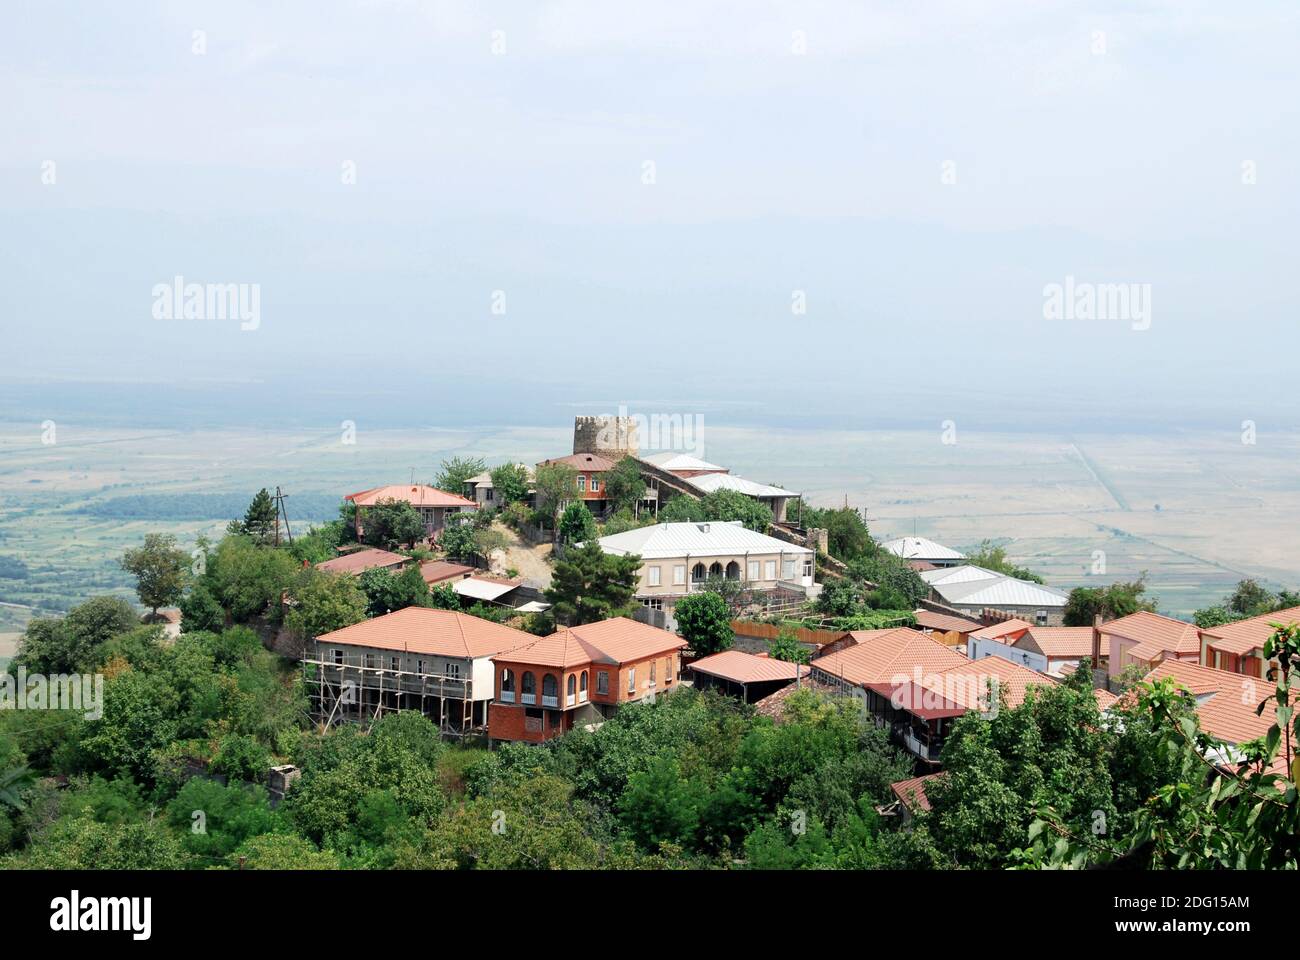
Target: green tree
x=387, y=591
x=392, y=521
x=72, y=644
x=459, y=539
x=283, y=851
x=787, y=647
x=682, y=509
x=455, y=473
x=590, y=585
x=847, y=536
x=726, y=505
x=660, y=805
x=992, y=557
x=510, y=484
x=577, y=525
x=704, y=621
x=248, y=581
x=200, y=609
x=159, y=569
x=556, y=485
x=261, y=520
x=1116, y=600
x=624, y=485
x=323, y=602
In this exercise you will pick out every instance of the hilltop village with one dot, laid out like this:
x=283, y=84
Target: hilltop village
x=515, y=628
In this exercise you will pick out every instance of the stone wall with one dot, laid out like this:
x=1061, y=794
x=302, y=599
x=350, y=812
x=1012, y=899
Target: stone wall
x=614, y=437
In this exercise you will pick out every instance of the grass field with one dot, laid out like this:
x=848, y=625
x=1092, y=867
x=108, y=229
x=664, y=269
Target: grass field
x=1199, y=512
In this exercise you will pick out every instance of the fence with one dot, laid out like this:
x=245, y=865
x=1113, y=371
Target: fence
x=770, y=631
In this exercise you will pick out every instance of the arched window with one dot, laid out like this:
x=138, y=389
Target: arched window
x=571, y=691
x=733, y=570
x=582, y=686
x=550, y=691
x=528, y=688
x=697, y=573
x=507, y=686
x=715, y=569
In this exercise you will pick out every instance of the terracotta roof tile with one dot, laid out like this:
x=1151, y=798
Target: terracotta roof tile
x=617, y=640
x=447, y=633
x=361, y=560
x=1154, y=634
x=1243, y=636
x=912, y=792
x=1063, y=641
x=418, y=495
x=882, y=656
x=741, y=667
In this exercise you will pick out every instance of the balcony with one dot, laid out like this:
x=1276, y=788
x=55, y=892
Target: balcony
x=528, y=699
x=550, y=701
x=921, y=748
x=507, y=696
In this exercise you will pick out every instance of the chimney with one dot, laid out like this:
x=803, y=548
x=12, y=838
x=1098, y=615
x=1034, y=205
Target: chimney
x=1096, y=643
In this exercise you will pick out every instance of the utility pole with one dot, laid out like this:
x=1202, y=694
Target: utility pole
x=281, y=510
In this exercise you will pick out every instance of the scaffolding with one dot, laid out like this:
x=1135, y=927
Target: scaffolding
x=357, y=686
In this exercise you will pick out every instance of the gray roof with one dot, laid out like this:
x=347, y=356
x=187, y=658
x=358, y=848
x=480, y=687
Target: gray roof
x=725, y=481
x=919, y=548
x=971, y=586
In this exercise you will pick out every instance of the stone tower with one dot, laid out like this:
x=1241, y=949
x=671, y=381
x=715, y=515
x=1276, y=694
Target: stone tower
x=613, y=437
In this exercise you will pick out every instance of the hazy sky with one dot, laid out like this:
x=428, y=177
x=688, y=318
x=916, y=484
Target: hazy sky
x=920, y=171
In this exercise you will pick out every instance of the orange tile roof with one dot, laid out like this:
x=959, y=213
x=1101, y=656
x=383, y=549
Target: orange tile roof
x=1063, y=641
x=436, y=571
x=617, y=640
x=741, y=667
x=912, y=792
x=447, y=633
x=944, y=621
x=882, y=656
x=417, y=495
x=585, y=462
x=1243, y=636
x=968, y=684
x=1154, y=634
x=999, y=630
x=1226, y=702
x=361, y=560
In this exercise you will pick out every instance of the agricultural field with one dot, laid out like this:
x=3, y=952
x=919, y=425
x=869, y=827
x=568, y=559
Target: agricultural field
x=1197, y=512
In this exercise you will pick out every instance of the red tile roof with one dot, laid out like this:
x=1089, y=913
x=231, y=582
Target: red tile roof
x=418, y=495
x=436, y=571
x=1063, y=641
x=447, y=633
x=912, y=792
x=617, y=640
x=944, y=622
x=883, y=656
x=362, y=560
x=740, y=667
x=584, y=462
x=1243, y=636
x=1154, y=634
x=1226, y=702
x=999, y=630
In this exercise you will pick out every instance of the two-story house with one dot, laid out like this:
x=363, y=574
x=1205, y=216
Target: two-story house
x=416, y=658
x=579, y=676
x=1238, y=647
x=432, y=504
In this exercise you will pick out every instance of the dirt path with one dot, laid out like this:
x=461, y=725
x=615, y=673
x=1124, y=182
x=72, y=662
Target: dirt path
x=529, y=559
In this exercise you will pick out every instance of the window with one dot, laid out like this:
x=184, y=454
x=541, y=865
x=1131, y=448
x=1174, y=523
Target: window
x=715, y=569
x=507, y=686
x=571, y=691
x=582, y=687
x=1041, y=618
x=631, y=680
x=453, y=670
x=652, y=575
x=668, y=669
x=787, y=569
x=490, y=491
x=528, y=688
x=338, y=658
x=654, y=603
x=550, y=691
x=582, y=482
x=733, y=570
x=698, y=573
x=769, y=570
x=372, y=661
x=602, y=682
x=419, y=666
x=595, y=484
x=808, y=568
x=653, y=665
x=679, y=574
x=753, y=569
x=395, y=664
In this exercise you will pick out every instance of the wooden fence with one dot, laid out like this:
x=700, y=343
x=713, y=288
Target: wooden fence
x=770, y=631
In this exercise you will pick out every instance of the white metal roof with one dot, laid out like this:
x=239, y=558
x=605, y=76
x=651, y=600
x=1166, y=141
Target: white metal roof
x=1000, y=591
x=725, y=481
x=707, y=539
x=966, y=573
x=671, y=460
x=919, y=548
x=482, y=589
